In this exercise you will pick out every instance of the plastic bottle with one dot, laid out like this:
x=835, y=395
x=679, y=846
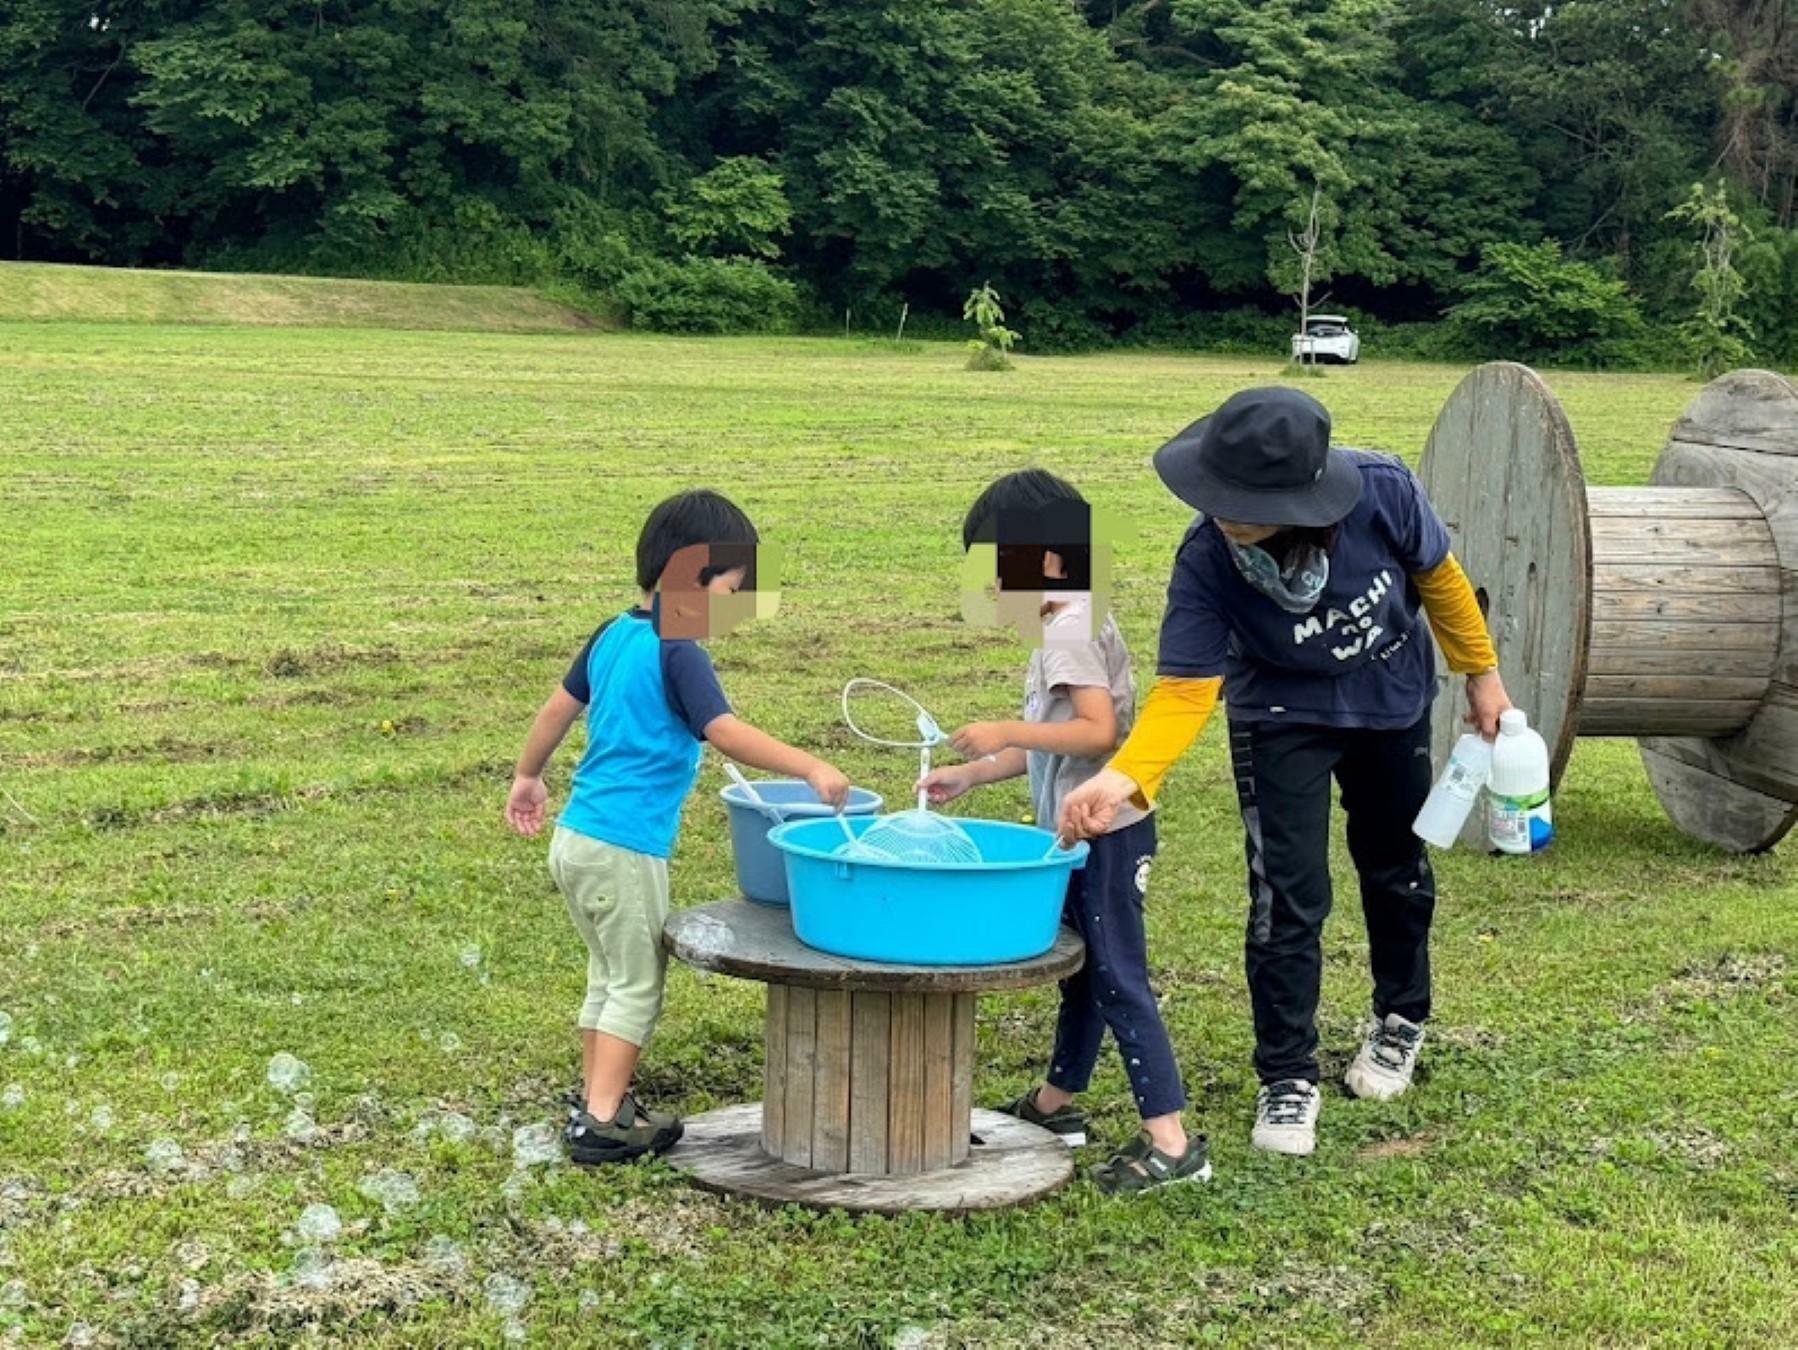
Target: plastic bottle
x=1519, y=820
x=1451, y=800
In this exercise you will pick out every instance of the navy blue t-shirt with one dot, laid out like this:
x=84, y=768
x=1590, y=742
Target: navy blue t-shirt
x=1361, y=658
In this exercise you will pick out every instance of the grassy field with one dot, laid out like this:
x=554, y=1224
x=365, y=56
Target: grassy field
x=277, y=607
x=43, y=291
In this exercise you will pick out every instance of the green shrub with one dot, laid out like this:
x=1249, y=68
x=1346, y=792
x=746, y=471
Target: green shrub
x=1061, y=326
x=1528, y=303
x=707, y=295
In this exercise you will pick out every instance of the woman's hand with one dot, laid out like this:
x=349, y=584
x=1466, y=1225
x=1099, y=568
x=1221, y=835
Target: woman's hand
x=946, y=784
x=1089, y=809
x=1486, y=702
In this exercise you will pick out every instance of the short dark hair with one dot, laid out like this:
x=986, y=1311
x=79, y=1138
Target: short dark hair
x=698, y=516
x=1025, y=514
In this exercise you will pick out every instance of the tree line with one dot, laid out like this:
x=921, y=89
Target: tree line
x=1118, y=170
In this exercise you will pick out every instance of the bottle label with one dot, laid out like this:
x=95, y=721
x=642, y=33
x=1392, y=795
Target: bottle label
x=1521, y=824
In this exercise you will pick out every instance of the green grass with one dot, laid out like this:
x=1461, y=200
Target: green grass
x=42, y=291
x=278, y=605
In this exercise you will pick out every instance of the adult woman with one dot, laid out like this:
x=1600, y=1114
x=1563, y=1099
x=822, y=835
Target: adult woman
x=1298, y=590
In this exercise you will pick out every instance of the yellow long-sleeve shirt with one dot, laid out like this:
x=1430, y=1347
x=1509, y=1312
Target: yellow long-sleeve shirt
x=1177, y=710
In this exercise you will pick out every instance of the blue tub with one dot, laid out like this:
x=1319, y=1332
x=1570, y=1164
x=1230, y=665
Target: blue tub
x=1005, y=908
x=761, y=871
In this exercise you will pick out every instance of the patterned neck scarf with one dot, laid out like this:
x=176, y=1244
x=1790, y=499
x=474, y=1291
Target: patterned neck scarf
x=1296, y=587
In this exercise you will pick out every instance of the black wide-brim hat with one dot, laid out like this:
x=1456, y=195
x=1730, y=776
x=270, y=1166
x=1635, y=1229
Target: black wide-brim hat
x=1263, y=458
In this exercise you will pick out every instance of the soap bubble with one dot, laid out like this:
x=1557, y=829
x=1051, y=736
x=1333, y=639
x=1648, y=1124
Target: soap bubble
x=101, y=1117
x=319, y=1223
x=13, y=1097
x=471, y=956
x=395, y=1191
x=449, y=1043
x=589, y=1301
x=81, y=1337
x=514, y=1332
x=446, y=1254
x=190, y=1296
x=32, y=1046
x=535, y=1146
x=5, y=1027
x=505, y=1294
x=171, y=1081
x=240, y=1187
x=14, y=1294
x=312, y=1268
x=287, y=1073
x=165, y=1157
x=300, y=1127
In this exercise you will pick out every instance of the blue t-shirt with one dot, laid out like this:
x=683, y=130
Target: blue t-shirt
x=648, y=705
x=1361, y=658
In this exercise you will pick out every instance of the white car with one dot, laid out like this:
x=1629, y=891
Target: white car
x=1327, y=337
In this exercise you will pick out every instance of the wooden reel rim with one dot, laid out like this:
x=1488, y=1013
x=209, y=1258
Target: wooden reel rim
x=1502, y=469
x=1740, y=792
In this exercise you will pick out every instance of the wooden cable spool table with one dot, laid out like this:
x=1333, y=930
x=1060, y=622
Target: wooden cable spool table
x=1668, y=613
x=868, y=1087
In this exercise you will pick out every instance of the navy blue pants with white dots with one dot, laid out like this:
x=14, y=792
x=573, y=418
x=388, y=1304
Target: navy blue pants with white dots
x=1105, y=906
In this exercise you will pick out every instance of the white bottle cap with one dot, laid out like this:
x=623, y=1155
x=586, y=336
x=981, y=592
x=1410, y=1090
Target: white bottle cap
x=1513, y=721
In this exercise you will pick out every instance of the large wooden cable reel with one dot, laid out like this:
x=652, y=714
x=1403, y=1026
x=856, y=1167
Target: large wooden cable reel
x=1668, y=613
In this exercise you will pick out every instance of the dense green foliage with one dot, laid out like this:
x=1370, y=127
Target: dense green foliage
x=1113, y=168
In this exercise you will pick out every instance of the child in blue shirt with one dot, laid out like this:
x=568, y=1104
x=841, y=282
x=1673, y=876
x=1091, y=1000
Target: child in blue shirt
x=651, y=699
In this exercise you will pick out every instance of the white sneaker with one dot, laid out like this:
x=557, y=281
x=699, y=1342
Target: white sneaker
x=1286, y=1117
x=1388, y=1058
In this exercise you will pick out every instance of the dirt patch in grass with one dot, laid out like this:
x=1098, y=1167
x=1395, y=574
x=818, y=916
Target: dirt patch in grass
x=287, y=663
x=1412, y=1146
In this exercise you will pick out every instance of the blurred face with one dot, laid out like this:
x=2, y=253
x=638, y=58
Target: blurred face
x=1002, y=588
x=1245, y=535
x=688, y=607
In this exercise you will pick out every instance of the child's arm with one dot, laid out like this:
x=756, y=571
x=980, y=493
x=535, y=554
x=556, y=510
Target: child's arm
x=525, y=805
x=731, y=735
x=1092, y=730
x=953, y=780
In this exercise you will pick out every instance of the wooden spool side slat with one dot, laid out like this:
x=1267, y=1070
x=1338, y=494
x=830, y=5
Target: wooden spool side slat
x=1676, y=662
x=1675, y=689
x=1754, y=601
x=905, y=1086
x=802, y=1065
x=1672, y=503
x=774, y=1072
x=1627, y=717
x=962, y=1106
x=1682, y=543
x=831, y=1084
x=939, y=1081
x=873, y=1032
x=1627, y=578
x=1684, y=635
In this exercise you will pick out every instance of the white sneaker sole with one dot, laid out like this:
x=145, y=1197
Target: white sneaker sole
x=1291, y=1146
x=1370, y=1085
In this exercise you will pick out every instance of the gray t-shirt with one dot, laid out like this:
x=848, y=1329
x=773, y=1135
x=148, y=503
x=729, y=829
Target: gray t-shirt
x=1071, y=657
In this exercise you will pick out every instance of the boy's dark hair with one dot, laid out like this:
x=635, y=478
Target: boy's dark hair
x=1024, y=514
x=699, y=516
